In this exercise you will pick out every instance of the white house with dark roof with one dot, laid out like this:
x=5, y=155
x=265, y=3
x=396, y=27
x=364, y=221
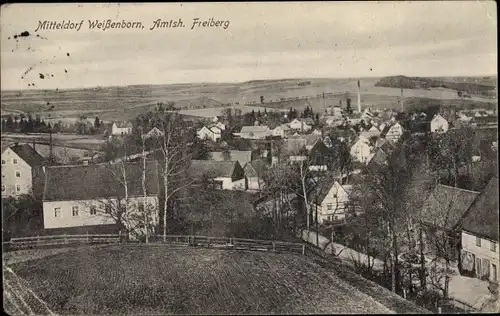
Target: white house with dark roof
x=22, y=171
x=331, y=201
x=254, y=172
x=88, y=197
x=480, y=249
x=205, y=133
x=223, y=175
x=301, y=124
x=121, y=128
x=439, y=124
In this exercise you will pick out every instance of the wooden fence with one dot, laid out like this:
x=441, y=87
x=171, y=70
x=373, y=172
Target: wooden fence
x=183, y=240
x=36, y=241
x=234, y=243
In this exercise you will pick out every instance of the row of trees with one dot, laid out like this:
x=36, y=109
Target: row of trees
x=23, y=124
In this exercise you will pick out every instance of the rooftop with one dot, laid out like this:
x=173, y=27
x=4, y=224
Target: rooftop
x=28, y=154
x=482, y=217
x=86, y=182
x=212, y=169
x=446, y=206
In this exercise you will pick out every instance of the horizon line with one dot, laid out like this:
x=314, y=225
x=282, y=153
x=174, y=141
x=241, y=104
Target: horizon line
x=247, y=81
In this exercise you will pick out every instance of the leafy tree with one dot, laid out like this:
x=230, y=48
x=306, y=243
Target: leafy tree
x=261, y=99
x=97, y=123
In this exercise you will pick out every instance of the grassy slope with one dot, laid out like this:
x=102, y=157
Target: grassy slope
x=135, y=280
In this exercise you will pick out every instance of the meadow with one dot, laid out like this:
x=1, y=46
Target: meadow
x=156, y=279
x=123, y=103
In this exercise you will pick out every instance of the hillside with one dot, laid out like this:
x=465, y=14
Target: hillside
x=481, y=89
x=161, y=280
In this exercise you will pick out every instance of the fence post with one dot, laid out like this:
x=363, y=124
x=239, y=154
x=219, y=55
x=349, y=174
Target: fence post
x=303, y=249
x=440, y=311
x=274, y=247
x=404, y=293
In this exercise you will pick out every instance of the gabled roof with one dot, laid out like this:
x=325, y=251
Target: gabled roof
x=320, y=192
x=446, y=206
x=154, y=132
x=242, y=156
x=254, y=129
x=88, y=182
x=255, y=168
x=482, y=217
x=28, y=154
x=212, y=169
x=295, y=143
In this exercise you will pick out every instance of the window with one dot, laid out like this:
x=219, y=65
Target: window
x=478, y=241
x=335, y=196
x=93, y=210
x=14, y=161
x=493, y=246
x=57, y=212
x=75, y=210
x=18, y=187
x=108, y=209
x=141, y=207
x=3, y=188
x=335, y=217
x=3, y=162
x=18, y=174
x=329, y=206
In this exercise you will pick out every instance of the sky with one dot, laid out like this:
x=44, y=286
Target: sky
x=263, y=41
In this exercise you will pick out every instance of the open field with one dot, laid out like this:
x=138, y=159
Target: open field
x=161, y=280
x=112, y=103
x=82, y=142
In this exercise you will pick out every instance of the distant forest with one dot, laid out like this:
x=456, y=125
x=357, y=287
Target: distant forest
x=471, y=88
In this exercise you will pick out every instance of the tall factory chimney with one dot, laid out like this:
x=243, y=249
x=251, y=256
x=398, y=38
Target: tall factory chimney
x=402, y=101
x=359, y=98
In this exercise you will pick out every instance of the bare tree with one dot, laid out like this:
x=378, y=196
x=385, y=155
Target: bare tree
x=176, y=156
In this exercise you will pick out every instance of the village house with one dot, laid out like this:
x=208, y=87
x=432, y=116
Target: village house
x=441, y=217
x=480, y=251
x=254, y=172
x=302, y=125
x=22, y=171
x=154, y=133
x=222, y=175
x=241, y=156
x=393, y=132
x=316, y=132
x=362, y=149
x=254, y=132
x=331, y=201
x=121, y=128
x=439, y=124
x=213, y=133
x=90, y=198
x=282, y=131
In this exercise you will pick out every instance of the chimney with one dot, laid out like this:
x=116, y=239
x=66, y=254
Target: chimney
x=402, y=105
x=359, y=98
